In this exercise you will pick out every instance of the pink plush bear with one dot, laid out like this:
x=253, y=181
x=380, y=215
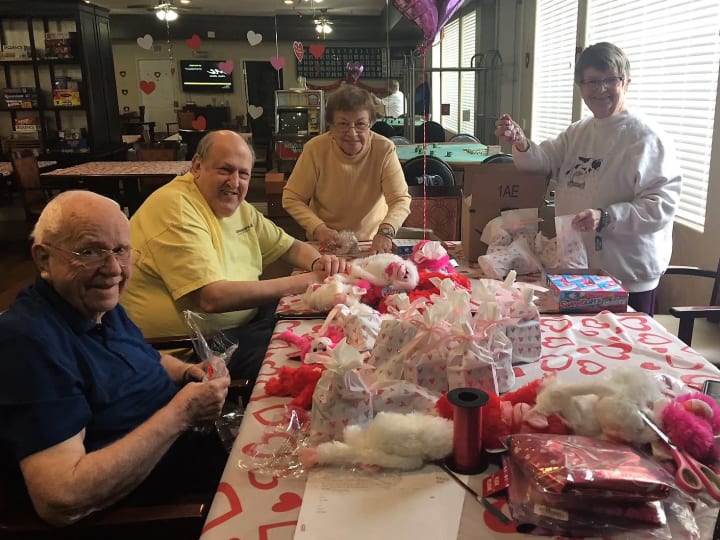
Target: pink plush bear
x=431, y=256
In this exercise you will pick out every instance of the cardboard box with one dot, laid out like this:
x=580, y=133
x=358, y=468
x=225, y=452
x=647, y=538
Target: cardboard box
x=66, y=98
x=586, y=290
x=490, y=189
x=274, y=183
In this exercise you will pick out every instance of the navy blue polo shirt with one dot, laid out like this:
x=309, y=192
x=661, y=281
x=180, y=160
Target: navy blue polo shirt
x=60, y=373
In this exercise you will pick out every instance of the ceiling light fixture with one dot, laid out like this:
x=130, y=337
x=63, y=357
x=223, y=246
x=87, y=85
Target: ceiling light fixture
x=322, y=27
x=167, y=14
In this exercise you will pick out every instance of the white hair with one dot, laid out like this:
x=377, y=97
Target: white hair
x=51, y=221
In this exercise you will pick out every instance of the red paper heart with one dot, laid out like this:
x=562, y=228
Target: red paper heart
x=589, y=367
x=287, y=501
x=317, y=50
x=235, y=507
x=147, y=86
x=199, y=123
x=194, y=42
x=298, y=50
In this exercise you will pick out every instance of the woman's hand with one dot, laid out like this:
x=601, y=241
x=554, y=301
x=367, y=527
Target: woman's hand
x=587, y=220
x=381, y=244
x=326, y=236
x=509, y=131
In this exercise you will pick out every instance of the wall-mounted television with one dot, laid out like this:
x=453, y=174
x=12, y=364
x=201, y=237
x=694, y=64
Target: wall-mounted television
x=204, y=76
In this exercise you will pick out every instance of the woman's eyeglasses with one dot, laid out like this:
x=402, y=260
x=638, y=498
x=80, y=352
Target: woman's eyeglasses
x=598, y=84
x=96, y=257
x=360, y=127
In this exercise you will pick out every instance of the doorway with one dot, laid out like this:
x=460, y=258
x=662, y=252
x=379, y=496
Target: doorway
x=261, y=81
x=158, y=91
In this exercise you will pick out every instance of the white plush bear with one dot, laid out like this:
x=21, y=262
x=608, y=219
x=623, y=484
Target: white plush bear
x=386, y=269
x=334, y=290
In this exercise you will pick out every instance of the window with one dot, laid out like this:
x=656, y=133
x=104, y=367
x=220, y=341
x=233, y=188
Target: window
x=554, y=67
x=457, y=88
x=674, y=52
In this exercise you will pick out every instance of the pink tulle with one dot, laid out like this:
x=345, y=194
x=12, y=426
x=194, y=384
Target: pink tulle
x=691, y=432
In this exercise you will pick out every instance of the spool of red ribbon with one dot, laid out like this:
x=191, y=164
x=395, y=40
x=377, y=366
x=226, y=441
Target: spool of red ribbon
x=467, y=455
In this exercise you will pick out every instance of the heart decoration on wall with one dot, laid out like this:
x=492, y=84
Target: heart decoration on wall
x=227, y=66
x=255, y=111
x=124, y=91
x=253, y=38
x=194, y=42
x=126, y=108
x=199, y=123
x=147, y=87
x=157, y=74
x=278, y=62
x=123, y=73
x=317, y=50
x=298, y=50
x=146, y=42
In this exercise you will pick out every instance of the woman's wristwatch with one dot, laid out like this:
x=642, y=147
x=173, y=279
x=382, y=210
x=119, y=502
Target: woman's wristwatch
x=387, y=231
x=604, y=219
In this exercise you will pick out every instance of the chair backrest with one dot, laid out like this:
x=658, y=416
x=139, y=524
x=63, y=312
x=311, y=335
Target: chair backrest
x=383, y=128
x=429, y=132
x=438, y=208
x=464, y=137
x=429, y=170
x=185, y=119
x=157, y=153
x=27, y=173
x=499, y=158
x=191, y=137
x=399, y=139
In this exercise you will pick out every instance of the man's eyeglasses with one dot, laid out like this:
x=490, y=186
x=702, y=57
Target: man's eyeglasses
x=360, y=127
x=597, y=84
x=96, y=257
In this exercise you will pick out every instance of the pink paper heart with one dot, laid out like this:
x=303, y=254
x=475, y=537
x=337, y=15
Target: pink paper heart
x=278, y=62
x=227, y=66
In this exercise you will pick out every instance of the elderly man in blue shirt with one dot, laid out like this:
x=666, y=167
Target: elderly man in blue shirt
x=89, y=410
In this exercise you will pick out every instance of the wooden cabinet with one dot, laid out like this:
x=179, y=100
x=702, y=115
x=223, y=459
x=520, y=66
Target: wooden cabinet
x=58, y=65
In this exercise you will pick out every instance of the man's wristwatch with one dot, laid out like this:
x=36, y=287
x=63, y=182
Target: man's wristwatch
x=387, y=231
x=604, y=219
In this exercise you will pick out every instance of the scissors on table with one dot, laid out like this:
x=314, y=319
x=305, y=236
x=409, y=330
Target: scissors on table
x=691, y=475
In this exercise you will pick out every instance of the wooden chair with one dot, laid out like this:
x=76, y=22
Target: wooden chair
x=440, y=211
x=697, y=326
x=34, y=196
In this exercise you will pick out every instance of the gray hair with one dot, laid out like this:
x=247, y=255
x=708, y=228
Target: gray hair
x=51, y=222
x=394, y=86
x=603, y=57
x=349, y=98
x=203, y=147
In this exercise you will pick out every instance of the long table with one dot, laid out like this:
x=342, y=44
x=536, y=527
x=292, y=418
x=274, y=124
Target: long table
x=6, y=168
x=455, y=154
x=119, y=179
x=577, y=348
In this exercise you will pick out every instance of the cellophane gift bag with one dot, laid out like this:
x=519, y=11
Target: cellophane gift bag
x=402, y=397
x=395, y=332
x=470, y=362
x=341, y=397
x=524, y=331
x=360, y=323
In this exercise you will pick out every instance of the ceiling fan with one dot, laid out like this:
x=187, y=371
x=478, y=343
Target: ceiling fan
x=323, y=25
x=164, y=10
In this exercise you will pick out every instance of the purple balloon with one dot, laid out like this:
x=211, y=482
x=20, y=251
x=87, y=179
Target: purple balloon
x=429, y=15
x=354, y=70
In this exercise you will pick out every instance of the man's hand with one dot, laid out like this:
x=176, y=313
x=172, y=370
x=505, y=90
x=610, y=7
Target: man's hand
x=326, y=236
x=587, y=220
x=330, y=264
x=202, y=402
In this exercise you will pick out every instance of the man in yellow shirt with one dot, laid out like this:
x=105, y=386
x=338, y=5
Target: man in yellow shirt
x=203, y=248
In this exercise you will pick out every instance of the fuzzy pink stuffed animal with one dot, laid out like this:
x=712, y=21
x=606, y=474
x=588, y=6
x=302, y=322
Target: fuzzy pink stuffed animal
x=692, y=421
x=309, y=343
x=431, y=256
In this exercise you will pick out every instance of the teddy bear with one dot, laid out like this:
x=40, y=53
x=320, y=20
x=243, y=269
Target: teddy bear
x=390, y=440
x=431, y=256
x=380, y=275
x=509, y=414
x=322, y=297
x=310, y=343
x=692, y=421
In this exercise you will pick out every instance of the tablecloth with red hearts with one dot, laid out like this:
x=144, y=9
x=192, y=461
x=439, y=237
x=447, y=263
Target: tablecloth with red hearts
x=249, y=506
